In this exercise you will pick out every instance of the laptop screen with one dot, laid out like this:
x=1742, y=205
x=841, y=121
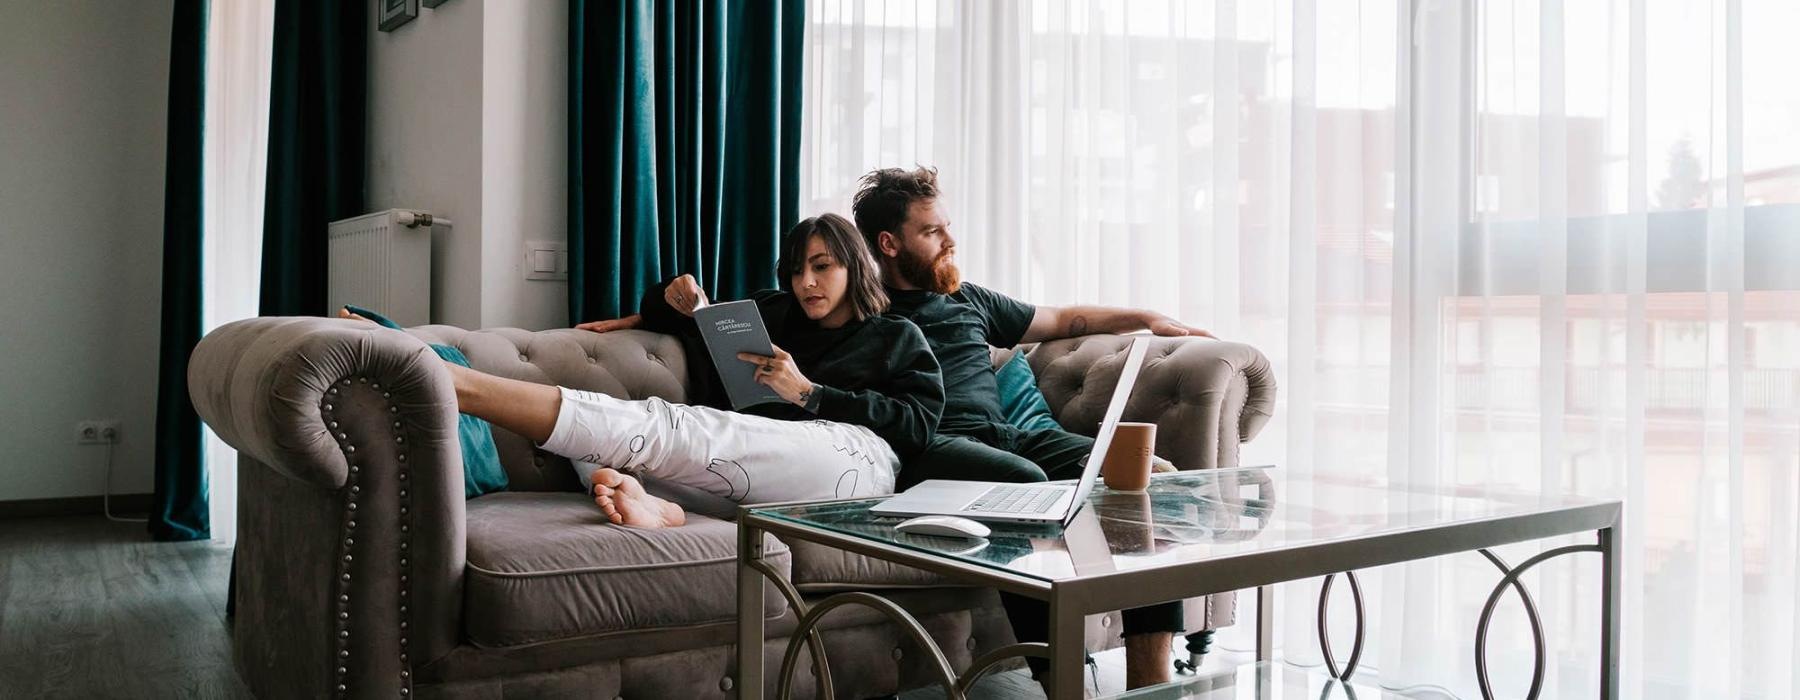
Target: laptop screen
x=1134, y=360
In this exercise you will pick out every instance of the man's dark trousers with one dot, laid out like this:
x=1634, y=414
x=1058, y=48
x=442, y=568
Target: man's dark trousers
x=998, y=452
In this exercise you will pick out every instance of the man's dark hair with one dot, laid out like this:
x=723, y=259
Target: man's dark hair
x=863, y=290
x=883, y=196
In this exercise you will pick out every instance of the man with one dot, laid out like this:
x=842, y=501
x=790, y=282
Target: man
x=897, y=213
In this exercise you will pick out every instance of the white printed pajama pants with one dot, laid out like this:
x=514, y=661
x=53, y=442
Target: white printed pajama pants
x=744, y=458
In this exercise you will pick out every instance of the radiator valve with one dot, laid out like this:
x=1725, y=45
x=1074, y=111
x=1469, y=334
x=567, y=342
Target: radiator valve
x=412, y=219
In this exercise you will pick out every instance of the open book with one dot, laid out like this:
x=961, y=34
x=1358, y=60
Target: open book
x=728, y=329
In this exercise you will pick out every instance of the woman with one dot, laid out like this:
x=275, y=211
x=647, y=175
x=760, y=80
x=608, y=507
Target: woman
x=862, y=392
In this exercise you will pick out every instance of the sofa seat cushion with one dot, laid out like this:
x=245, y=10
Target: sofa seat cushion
x=548, y=566
x=822, y=569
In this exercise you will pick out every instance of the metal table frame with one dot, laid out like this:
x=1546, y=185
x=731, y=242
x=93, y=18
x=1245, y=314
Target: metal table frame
x=1073, y=599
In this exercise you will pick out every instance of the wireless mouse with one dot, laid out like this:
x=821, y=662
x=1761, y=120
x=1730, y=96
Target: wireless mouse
x=944, y=526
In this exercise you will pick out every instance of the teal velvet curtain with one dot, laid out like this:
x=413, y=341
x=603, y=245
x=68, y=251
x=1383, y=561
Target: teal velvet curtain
x=684, y=142
x=318, y=98
x=178, y=509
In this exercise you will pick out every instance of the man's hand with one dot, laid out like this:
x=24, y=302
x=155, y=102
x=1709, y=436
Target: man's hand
x=612, y=324
x=781, y=374
x=684, y=295
x=1165, y=326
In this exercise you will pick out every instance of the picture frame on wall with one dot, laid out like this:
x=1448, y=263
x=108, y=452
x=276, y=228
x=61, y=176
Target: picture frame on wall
x=397, y=12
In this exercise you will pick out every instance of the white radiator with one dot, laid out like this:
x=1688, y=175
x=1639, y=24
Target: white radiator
x=382, y=261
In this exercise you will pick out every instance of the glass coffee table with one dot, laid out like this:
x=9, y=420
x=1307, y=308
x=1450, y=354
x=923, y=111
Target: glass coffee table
x=1189, y=534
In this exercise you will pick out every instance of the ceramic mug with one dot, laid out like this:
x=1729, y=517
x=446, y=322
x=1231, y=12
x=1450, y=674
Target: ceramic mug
x=1127, y=465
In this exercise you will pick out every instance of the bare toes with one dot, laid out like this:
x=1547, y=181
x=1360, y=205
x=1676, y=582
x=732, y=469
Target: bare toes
x=606, y=476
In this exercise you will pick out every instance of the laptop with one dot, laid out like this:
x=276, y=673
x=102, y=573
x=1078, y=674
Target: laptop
x=1085, y=540
x=1022, y=503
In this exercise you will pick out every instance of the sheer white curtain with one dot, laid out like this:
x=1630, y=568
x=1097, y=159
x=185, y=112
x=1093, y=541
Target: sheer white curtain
x=1506, y=244
x=239, y=39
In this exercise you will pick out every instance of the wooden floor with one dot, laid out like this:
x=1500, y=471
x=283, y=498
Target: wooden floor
x=90, y=608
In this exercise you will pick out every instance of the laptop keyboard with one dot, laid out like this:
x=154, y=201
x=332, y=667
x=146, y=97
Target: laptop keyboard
x=1015, y=499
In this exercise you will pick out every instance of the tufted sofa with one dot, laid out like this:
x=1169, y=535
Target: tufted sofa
x=362, y=571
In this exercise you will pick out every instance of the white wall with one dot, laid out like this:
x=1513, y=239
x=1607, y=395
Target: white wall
x=83, y=103
x=467, y=119
x=524, y=158
x=425, y=141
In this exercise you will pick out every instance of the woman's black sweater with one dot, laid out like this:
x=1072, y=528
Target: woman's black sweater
x=878, y=373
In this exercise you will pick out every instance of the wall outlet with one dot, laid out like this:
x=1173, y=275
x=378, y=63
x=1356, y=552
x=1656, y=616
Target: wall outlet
x=97, y=432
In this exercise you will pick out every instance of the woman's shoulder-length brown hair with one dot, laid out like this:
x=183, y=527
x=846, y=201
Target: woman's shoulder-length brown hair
x=864, y=292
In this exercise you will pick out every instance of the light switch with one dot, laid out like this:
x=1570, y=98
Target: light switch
x=546, y=260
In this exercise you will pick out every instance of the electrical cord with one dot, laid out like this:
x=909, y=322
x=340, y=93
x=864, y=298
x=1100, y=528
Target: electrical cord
x=106, y=492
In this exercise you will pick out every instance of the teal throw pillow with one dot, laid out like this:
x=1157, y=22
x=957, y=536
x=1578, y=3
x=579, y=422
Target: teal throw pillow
x=482, y=473
x=1021, y=402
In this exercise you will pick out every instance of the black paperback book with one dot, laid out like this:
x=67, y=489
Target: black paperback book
x=728, y=329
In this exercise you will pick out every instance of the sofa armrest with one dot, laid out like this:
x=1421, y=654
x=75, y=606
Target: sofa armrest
x=351, y=520
x=1206, y=396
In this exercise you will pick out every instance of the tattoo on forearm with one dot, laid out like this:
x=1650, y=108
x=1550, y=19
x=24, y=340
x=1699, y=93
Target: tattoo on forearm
x=1078, y=325
x=805, y=396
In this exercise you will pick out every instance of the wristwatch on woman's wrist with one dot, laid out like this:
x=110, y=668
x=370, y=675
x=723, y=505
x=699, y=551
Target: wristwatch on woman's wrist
x=809, y=399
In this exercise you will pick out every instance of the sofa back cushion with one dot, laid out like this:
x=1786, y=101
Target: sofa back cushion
x=625, y=364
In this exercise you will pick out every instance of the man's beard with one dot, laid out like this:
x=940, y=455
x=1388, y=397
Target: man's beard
x=939, y=275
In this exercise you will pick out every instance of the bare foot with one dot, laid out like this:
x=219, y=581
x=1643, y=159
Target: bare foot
x=625, y=502
x=345, y=313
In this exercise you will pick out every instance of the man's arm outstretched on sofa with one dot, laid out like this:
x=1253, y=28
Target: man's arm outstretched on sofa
x=612, y=324
x=680, y=294
x=1058, y=322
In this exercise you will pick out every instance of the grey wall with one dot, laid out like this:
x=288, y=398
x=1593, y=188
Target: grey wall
x=83, y=100
x=524, y=158
x=83, y=103
x=425, y=141
x=467, y=119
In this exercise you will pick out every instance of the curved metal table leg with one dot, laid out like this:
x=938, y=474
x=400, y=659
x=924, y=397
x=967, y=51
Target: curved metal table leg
x=980, y=666
x=894, y=613
x=1333, y=684
x=814, y=641
x=1325, y=640
x=1537, y=629
x=956, y=686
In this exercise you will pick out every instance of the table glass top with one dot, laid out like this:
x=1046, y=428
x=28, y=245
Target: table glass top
x=1193, y=515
